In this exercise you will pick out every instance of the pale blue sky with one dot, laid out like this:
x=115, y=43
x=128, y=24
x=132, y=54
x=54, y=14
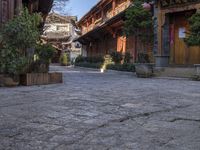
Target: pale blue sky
x=80, y=7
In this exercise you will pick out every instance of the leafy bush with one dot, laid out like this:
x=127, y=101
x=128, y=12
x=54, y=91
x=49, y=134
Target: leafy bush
x=90, y=62
x=194, y=35
x=18, y=36
x=80, y=59
x=96, y=59
x=127, y=58
x=89, y=65
x=45, y=52
x=107, y=61
x=138, y=19
x=122, y=67
x=43, y=55
x=143, y=58
x=22, y=32
x=11, y=61
x=117, y=57
x=64, y=59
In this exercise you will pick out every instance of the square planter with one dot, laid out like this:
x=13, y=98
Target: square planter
x=40, y=78
x=144, y=70
x=34, y=79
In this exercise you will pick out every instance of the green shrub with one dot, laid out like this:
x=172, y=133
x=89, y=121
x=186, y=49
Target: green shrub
x=117, y=57
x=127, y=57
x=11, y=61
x=45, y=52
x=143, y=58
x=122, y=67
x=194, y=35
x=107, y=61
x=22, y=31
x=80, y=59
x=18, y=38
x=89, y=65
x=89, y=62
x=64, y=59
x=96, y=59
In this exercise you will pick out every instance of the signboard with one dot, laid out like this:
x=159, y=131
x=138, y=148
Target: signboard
x=182, y=32
x=169, y=3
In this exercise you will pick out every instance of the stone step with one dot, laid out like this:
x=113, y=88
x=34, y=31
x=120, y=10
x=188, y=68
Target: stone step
x=180, y=72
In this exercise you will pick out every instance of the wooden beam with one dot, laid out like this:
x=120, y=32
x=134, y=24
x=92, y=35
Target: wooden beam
x=111, y=31
x=18, y=6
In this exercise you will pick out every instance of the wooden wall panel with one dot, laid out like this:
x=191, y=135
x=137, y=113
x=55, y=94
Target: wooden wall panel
x=7, y=8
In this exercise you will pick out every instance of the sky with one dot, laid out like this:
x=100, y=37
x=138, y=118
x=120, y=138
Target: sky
x=80, y=7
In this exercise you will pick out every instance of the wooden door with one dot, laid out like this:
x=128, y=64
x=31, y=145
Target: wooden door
x=183, y=54
x=121, y=44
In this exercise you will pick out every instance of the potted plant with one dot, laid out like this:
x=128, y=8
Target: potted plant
x=144, y=68
x=64, y=59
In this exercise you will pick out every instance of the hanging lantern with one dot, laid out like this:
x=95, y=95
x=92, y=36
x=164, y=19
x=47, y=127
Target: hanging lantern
x=146, y=6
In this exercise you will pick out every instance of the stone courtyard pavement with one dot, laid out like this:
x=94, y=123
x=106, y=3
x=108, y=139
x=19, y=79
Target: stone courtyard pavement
x=94, y=111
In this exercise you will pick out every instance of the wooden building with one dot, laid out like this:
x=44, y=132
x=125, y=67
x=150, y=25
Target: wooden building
x=60, y=32
x=171, y=27
x=102, y=30
x=10, y=8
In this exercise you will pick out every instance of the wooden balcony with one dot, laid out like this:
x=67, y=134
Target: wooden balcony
x=105, y=16
x=121, y=7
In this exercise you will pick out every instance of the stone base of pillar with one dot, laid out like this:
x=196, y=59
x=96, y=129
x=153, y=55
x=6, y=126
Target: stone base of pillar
x=162, y=61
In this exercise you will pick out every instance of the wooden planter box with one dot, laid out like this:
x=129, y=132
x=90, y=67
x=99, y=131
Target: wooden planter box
x=40, y=78
x=144, y=70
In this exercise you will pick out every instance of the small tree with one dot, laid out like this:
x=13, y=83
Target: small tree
x=22, y=31
x=64, y=59
x=117, y=57
x=139, y=23
x=194, y=34
x=17, y=36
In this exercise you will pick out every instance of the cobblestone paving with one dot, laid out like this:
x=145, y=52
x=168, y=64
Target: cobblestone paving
x=94, y=111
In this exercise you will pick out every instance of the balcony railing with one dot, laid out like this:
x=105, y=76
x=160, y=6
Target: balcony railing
x=121, y=7
x=107, y=15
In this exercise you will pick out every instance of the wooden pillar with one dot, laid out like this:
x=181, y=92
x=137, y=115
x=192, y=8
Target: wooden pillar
x=6, y=10
x=87, y=25
x=18, y=6
x=102, y=13
x=113, y=7
x=93, y=19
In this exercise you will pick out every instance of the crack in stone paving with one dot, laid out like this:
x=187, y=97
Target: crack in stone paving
x=184, y=119
x=123, y=119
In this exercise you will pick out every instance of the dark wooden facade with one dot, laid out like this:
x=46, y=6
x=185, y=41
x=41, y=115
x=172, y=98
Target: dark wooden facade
x=10, y=8
x=171, y=27
x=102, y=30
